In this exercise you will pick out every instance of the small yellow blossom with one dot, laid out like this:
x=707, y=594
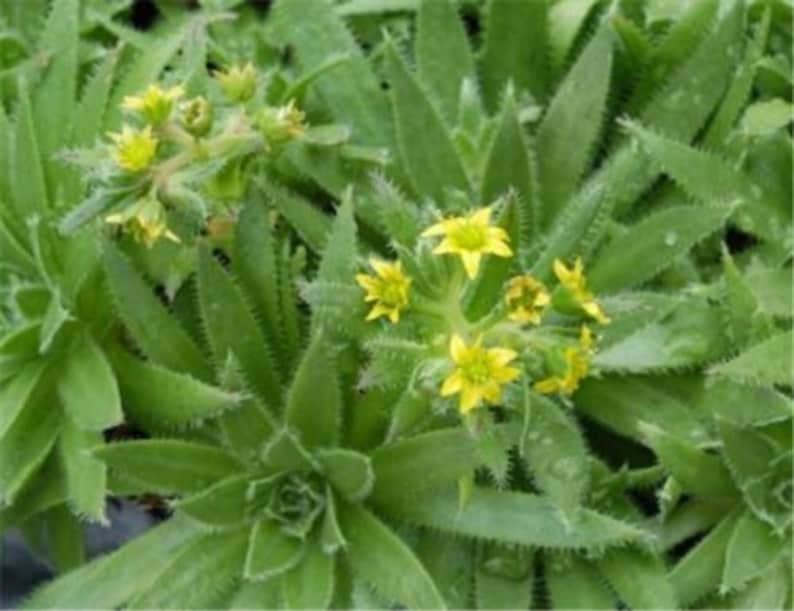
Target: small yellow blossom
x=573, y=294
x=134, y=149
x=479, y=373
x=526, y=299
x=238, y=83
x=471, y=237
x=388, y=289
x=154, y=104
x=145, y=221
x=573, y=368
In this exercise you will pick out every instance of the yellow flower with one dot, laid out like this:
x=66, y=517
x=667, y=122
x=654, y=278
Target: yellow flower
x=526, y=299
x=479, y=373
x=134, y=149
x=145, y=221
x=154, y=104
x=471, y=237
x=239, y=84
x=573, y=295
x=388, y=289
x=573, y=368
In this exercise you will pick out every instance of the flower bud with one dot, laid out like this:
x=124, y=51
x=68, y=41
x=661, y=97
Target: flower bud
x=238, y=84
x=196, y=116
x=155, y=104
x=281, y=124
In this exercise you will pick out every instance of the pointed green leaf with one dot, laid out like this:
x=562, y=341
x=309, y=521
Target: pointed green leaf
x=271, y=552
x=28, y=188
x=87, y=386
x=310, y=585
x=112, y=580
x=158, y=399
x=232, y=329
x=156, y=332
x=425, y=146
x=513, y=517
x=569, y=130
x=56, y=94
x=16, y=392
x=314, y=401
x=90, y=113
x=504, y=579
x=639, y=579
x=331, y=537
x=745, y=406
x=566, y=20
x=379, y=557
x=85, y=475
x=257, y=594
x=311, y=224
x=557, y=455
x=575, y=584
x=443, y=56
x=200, y=576
x=652, y=245
x=695, y=470
x=422, y=462
x=284, y=452
x=752, y=548
x=622, y=403
x=25, y=444
x=700, y=570
x=508, y=166
x=338, y=262
x=169, y=466
x=349, y=472
x=515, y=48
x=772, y=590
x=767, y=363
x=221, y=505
x=64, y=538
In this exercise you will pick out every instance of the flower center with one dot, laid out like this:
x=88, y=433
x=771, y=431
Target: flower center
x=470, y=237
x=390, y=294
x=477, y=372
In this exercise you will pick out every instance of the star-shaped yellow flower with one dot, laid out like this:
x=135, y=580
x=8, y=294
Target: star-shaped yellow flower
x=388, y=289
x=574, y=294
x=471, y=237
x=526, y=299
x=574, y=365
x=154, y=104
x=134, y=150
x=479, y=373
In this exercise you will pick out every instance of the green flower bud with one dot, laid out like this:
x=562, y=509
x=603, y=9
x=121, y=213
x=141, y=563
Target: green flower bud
x=238, y=84
x=196, y=116
x=281, y=124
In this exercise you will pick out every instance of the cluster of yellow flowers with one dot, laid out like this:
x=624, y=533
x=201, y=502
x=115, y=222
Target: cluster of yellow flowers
x=165, y=118
x=480, y=372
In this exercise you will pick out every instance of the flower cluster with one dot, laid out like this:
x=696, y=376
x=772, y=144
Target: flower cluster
x=198, y=145
x=485, y=355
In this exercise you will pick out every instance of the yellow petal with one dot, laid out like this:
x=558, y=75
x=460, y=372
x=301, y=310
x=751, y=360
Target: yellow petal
x=377, y=311
x=498, y=248
x=482, y=216
x=439, y=228
x=394, y=315
x=457, y=348
x=366, y=282
x=471, y=262
x=560, y=270
x=382, y=268
x=501, y=356
x=444, y=247
x=506, y=374
x=452, y=384
x=469, y=399
x=548, y=386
